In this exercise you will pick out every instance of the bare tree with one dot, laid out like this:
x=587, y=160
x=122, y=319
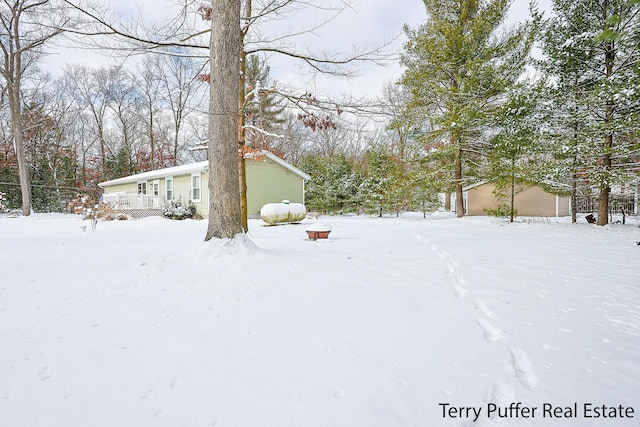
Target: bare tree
x=149, y=87
x=225, y=216
x=178, y=75
x=90, y=88
x=25, y=33
x=123, y=97
x=396, y=99
x=294, y=141
x=252, y=29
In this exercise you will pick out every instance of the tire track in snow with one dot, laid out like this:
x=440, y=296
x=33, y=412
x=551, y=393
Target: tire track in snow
x=519, y=361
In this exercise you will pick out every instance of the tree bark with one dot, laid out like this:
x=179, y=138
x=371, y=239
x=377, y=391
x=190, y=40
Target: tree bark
x=607, y=146
x=225, y=217
x=574, y=180
x=513, y=189
x=458, y=180
x=18, y=139
x=242, y=165
x=12, y=71
x=574, y=198
x=605, y=189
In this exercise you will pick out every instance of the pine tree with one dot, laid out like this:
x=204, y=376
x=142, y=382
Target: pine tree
x=515, y=154
x=593, y=51
x=564, y=108
x=457, y=69
x=262, y=111
x=383, y=185
x=334, y=187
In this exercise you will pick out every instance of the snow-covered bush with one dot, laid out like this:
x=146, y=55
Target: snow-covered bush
x=175, y=209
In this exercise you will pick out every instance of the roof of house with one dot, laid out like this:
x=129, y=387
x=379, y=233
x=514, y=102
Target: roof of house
x=192, y=168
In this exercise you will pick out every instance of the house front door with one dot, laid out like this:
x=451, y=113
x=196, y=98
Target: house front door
x=156, y=193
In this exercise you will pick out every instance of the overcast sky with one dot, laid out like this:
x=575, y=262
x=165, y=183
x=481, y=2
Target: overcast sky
x=370, y=22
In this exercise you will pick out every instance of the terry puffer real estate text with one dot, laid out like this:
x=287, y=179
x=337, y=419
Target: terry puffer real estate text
x=546, y=410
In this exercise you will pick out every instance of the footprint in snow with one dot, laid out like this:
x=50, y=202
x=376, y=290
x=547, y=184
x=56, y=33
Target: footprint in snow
x=482, y=308
x=450, y=268
x=491, y=333
x=459, y=291
x=502, y=394
x=44, y=374
x=160, y=414
x=523, y=368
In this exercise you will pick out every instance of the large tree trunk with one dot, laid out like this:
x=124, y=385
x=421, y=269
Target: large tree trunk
x=574, y=198
x=12, y=71
x=603, y=206
x=242, y=165
x=225, y=217
x=513, y=190
x=605, y=189
x=574, y=180
x=18, y=138
x=607, y=146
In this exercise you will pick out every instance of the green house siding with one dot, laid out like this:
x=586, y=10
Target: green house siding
x=182, y=189
x=268, y=182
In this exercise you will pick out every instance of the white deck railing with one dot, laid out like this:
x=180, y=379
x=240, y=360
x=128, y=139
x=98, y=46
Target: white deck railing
x=132, y=201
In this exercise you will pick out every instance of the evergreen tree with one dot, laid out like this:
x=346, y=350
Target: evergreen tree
x=263, y=114
x=457, y=69
x=515, y=154
x=383, y=186
x=422, y=191
x=334, y=183
x=52, y=163
x=593, y=52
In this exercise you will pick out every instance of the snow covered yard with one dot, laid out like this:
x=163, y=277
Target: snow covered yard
x=389, y=322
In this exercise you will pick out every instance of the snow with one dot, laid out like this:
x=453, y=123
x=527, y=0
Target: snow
x=396, y=322
x=318, y=226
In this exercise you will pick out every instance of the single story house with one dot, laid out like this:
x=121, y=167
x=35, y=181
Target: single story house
x=529, y=201
x=269, y=179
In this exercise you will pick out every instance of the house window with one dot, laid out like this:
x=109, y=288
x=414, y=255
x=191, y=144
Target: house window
x=195, y=188
x=168, y=183
x=142, y=187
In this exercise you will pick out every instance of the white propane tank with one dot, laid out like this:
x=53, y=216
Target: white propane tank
x=280, y=213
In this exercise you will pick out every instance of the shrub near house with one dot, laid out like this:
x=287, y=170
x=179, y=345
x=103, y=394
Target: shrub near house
x=175, y=209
